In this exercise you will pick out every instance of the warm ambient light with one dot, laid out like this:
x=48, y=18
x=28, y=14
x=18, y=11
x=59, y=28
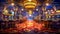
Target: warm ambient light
x=12, y=4
x=52, y=12
x=5, y=12
x=29, y=4
x=47, y=4
x=29, y=25
x=46, y=12
x=58, y=11
x=29, y=0
x=30, y=12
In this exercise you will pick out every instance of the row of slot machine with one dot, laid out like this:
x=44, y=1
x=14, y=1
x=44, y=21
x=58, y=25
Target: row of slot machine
x=10, y=12
x=16, y=13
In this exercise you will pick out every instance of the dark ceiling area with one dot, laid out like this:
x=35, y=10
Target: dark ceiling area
x=55, y=2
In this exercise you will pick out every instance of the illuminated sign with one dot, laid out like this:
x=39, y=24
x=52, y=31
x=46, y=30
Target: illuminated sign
x=58, y=11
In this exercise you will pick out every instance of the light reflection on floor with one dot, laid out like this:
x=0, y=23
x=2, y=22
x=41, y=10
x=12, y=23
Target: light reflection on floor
x=30, y=25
